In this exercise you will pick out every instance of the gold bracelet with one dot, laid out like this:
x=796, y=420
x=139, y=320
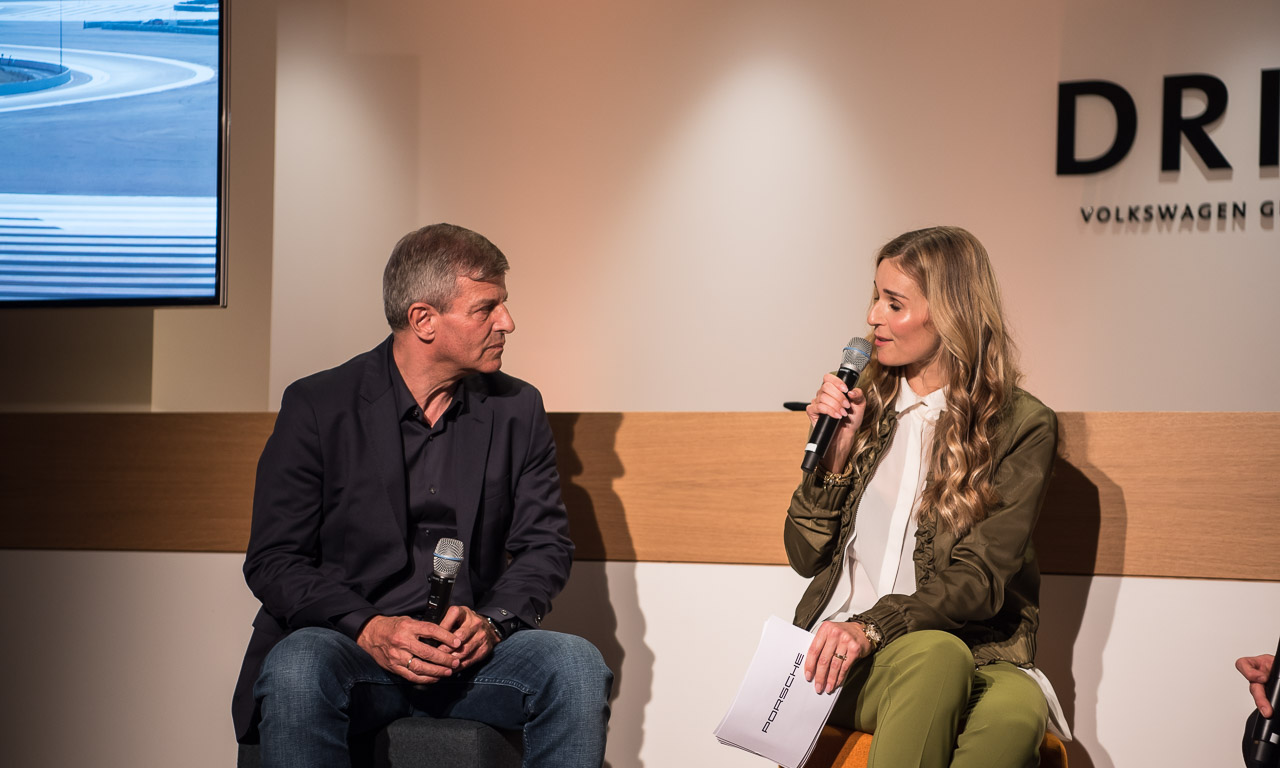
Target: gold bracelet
x=833, y=479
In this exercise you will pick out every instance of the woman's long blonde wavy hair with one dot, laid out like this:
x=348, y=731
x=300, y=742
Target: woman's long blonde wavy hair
x=978, y=363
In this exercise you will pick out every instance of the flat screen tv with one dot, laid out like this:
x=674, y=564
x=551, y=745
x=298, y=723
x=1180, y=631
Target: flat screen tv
x=111, y=153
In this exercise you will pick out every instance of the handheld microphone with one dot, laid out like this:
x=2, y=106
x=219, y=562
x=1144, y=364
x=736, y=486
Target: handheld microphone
x=1262, y=735
x=857, y=353
x=445, y=565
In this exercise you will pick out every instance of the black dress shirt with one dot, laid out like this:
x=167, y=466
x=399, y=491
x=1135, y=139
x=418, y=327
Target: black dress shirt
x=431, y=490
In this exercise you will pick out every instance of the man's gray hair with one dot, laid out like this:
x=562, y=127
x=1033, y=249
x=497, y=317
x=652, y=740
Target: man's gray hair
x=425, y=266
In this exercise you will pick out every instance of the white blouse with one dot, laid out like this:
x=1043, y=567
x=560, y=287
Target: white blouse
x=879, y=553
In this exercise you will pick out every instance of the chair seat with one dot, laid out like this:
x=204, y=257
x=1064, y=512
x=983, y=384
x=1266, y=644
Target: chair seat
x=840, y=748
x=419, y=741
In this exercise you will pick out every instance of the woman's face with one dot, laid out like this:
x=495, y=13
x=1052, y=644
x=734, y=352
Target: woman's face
x=904, y=336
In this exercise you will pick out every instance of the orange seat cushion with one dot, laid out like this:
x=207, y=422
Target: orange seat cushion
x=839, y=748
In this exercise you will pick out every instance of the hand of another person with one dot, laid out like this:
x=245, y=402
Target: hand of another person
x=396, y=643
x=835, y=646
x=473, y=630
x=1256, y=669
x=836, y=400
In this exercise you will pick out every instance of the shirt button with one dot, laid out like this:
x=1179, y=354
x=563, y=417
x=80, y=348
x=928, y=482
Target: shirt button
x=433, y=489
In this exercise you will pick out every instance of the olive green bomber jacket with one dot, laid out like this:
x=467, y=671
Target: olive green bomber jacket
x=983, y=586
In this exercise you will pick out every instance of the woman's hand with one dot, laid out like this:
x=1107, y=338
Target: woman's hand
x=836, y=400
x=1256, y=669
x=835, y=646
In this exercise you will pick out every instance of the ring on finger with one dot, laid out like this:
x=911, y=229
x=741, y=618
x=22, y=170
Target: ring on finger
x=840, y=656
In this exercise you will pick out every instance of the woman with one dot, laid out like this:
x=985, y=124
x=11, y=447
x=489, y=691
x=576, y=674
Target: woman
x=916, y=528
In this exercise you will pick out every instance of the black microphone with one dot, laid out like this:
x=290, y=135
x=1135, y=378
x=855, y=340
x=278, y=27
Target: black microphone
x=857, y=353
x=1262, y=734
x=445, y=565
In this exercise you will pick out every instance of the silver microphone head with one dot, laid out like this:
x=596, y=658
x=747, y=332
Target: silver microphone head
x=857, y=353
x=448, y=558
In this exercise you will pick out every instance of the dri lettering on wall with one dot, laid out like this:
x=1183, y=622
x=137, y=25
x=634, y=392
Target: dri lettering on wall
x=1173, y=124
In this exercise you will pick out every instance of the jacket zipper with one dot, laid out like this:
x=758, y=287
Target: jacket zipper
x=844, y=540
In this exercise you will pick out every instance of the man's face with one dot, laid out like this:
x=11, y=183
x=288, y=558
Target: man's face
x=472, y=333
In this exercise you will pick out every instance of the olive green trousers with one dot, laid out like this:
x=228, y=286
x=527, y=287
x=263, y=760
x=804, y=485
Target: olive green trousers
x=927, y=705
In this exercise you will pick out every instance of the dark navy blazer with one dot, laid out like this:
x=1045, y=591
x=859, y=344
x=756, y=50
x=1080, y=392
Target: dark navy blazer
x=330, y=516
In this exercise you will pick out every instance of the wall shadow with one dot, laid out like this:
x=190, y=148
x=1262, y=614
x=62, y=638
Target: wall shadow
x=1074, y=541
x=49, y=357
x=601, y=602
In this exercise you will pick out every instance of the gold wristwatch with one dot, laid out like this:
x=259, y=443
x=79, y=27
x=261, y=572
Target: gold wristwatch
x=872, y=634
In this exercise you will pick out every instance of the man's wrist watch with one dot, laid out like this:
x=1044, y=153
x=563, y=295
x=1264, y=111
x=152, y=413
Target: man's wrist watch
x=505, y=628
x=497, y=628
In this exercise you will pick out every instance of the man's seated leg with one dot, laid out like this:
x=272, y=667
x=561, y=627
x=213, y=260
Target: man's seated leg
x=551, y=686
x=318, y=688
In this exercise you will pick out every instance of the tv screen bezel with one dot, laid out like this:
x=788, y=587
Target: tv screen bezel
x=219, y=297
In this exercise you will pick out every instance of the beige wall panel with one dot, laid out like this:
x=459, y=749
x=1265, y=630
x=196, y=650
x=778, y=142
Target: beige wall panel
x=691, y=193
x=218, y=359
x=345, y=186
x=75, y=359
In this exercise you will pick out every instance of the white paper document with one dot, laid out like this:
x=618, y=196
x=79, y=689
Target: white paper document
x=776, y=714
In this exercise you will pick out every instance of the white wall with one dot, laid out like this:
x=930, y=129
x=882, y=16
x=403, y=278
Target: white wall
x=1122, y=654
x=135, y=665
x=683, y=190
x=118, y=659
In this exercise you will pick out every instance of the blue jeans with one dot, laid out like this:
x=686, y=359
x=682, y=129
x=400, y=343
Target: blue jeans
x=318, y=689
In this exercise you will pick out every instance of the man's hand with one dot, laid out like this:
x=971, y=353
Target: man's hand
x=1256, y=669
x=396, y=643
x=475, y=636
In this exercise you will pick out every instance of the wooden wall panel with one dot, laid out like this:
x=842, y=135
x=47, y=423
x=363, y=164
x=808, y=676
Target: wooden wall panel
x=147, y=481
x=1164, y=494
x=680, y=487
x=1140, y=494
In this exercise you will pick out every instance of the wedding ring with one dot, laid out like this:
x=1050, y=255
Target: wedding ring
x=840, y=656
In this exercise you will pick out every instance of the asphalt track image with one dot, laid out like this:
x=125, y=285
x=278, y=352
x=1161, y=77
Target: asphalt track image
x=139, y=117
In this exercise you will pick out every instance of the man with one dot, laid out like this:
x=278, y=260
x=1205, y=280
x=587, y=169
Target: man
x=370, y=464
x=1257, y=670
